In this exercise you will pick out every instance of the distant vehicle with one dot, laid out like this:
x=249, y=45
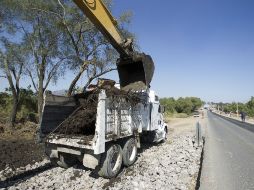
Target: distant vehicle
x=196, y=114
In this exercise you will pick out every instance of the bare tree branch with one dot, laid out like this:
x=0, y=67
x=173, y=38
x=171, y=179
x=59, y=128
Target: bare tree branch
x=32, y=48
x=60, y=3
x=45, y=11
x=53, y=72
x=95, y=47
x=9, y=77
x=32, y=79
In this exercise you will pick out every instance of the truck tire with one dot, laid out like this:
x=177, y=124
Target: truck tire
x=166, y=133
x=66, y=160
x=130, y=151
x=111, y=161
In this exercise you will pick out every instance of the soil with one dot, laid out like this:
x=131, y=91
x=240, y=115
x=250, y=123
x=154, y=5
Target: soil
x=82, y=120
x=18, y=147
x=19, y=153
x=135, y=86
x=136, y=73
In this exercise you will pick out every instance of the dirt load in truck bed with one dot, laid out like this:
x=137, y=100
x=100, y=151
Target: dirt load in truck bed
x=82, y=120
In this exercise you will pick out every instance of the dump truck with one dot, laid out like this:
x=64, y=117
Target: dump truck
x=105, y=125
x=101, y=128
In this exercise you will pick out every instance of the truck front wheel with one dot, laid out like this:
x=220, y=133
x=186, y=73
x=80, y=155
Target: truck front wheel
x=111, y=161
x=129, y=152
x=166, y=135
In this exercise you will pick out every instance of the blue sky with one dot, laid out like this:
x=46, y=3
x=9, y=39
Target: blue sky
x=201, y=48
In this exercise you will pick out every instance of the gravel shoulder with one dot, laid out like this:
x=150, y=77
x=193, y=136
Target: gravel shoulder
x=170, y=165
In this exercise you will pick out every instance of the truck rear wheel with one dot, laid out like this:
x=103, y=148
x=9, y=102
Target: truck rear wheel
x=129, y=152
x=111, y=161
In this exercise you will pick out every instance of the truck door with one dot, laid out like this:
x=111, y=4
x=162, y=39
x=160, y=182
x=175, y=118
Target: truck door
x=155, y=119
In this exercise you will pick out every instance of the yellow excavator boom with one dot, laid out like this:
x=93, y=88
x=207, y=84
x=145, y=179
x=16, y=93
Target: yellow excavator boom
x=99, y=15
x=133, y=67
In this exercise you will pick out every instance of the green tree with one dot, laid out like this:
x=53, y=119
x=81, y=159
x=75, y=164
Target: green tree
x=12, y=62
x=250, y=107
x=57, y=36
x=196, y=103
x=87, y=49
x=184, y=105
x=169, y=104
x=39, y=35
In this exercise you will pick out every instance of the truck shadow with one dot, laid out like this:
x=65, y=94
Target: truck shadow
x=145, y=146
x=127, y=170
x=16, y=179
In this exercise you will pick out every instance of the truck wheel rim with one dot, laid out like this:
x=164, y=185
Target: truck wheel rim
x=115, y=160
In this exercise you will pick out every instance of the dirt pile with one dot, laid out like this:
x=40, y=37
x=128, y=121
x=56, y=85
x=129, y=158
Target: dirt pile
x=82, y=120
x=18, y=146
x=130, y=97
x=139, y=69
x=19, y=153
x=135, y=86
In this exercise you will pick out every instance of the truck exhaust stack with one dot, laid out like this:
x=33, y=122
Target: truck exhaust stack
x=136, y=73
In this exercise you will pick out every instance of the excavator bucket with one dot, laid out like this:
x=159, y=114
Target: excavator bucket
x=136, y=74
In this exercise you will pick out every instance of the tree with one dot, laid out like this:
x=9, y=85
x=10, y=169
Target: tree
x=57, y=37
x=39, y=33
x=184, y=105
x=250, y=107
x=87, y=49
x=12, y=63
x=196, y=103
x=169, y=104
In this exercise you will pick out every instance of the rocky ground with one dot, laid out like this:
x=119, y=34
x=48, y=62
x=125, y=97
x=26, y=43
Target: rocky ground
x=170, y=165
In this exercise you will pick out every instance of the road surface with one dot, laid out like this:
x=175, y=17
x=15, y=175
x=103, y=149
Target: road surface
x=228, y=156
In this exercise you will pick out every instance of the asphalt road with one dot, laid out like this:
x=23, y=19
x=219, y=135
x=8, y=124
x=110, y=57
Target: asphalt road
x=228, y=156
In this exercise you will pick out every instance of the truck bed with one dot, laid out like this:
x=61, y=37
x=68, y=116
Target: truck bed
x=54, y=115
x=82, y=141
x=89, y=120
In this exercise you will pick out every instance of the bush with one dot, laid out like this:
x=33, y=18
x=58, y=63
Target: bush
x=182, y=105
x=27, y=109
x=33, y=117
x=232, y=107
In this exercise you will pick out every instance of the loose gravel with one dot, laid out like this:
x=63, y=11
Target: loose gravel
x=170, y=165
